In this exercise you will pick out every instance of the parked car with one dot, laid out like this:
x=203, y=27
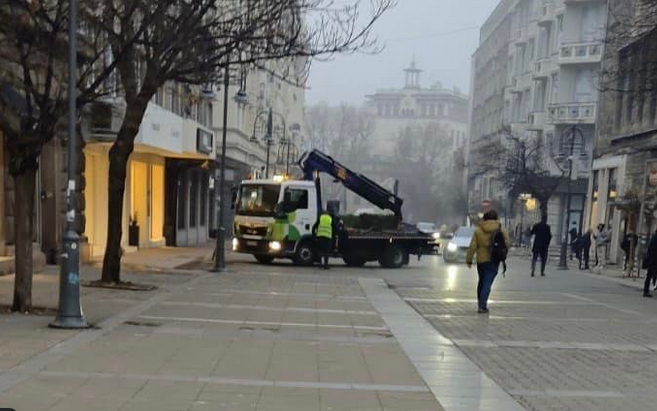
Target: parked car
x=457, y=247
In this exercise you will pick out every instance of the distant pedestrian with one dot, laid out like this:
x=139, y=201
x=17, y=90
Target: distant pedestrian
x=323, y=232
x=650, y=263
x=488, y=242
x=601, y=242
x=574, y=236
x=627, y=245
x=542, y=237
x=585, y=249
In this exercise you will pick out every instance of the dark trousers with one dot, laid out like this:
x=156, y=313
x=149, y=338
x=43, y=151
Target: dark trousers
x=487, y=273
x=650, y=276
x=543, y=254
x=584, y=261
x=324, y=248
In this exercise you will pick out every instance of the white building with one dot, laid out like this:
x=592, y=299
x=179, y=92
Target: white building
x=536, y=69
x=396, y=108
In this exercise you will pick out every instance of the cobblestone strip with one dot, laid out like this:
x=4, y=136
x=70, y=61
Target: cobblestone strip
x=456, y=382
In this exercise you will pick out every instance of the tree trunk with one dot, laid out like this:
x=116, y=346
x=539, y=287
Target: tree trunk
x=119, y=155
x=24, y=186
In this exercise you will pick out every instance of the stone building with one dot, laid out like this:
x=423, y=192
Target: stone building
x=623, y=186
x=536, y=72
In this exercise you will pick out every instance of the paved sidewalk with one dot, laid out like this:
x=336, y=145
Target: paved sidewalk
x=255, y=338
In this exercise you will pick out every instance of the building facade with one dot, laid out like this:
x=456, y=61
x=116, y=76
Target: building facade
x=623, y=185
x=396, y=108
x=537, y=74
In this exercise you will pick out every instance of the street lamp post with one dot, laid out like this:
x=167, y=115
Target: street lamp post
x=220, y=255
x=269, y=133
x=563, y=256
x=69, y=314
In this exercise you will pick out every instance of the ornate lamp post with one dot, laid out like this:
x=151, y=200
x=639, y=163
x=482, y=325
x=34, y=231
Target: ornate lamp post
x=570, y=140
x=269, y=133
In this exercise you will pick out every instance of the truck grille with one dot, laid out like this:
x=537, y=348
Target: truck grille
x=248, y=230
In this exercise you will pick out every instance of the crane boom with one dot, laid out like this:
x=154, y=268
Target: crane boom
x=316, y=161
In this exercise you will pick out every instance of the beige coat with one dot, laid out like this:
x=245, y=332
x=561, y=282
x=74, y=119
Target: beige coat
x=480, y=243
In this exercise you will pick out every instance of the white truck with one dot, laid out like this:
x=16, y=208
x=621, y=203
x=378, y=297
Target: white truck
x=275, y=219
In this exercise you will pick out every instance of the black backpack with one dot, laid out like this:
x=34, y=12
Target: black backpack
x=498, y=247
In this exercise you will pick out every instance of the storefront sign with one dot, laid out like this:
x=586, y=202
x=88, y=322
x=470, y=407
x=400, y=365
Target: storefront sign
x=204, y=141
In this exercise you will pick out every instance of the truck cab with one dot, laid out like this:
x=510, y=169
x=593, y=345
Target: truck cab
x=274, y=219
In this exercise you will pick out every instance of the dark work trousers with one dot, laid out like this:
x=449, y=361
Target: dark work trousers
x=487, y=273
x=650, y=276
x=324, y=248
x=584, y=264
x=542, y=254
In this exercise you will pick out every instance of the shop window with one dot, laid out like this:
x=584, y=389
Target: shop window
x=204, y=198
x=193, y=200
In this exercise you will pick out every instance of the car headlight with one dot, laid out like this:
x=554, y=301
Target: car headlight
x=275, y=246
x=436, y=236
x=236, y=244
x=452, y=247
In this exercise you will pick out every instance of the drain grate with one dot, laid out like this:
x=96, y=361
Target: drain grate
x=142, y=323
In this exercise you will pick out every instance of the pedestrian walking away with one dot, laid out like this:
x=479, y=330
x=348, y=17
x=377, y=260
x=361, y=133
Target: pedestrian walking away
x=542, y=237
x=585, y=249
x=650, y=264
x=489, y=244
x=629, y=242
x=323, y=232
x=574, y=236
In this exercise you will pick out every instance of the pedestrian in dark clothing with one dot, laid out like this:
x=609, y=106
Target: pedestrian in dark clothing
x=585, y=249
x=542, y=237
x=574, y=236
x=650, y=264
x=629, y=240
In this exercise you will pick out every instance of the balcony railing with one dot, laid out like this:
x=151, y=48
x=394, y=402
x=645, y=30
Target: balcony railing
x=542, y=68
x=580, y=52
x=572, y=113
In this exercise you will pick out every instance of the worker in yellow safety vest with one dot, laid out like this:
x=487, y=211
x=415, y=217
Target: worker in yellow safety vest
x=323, y=231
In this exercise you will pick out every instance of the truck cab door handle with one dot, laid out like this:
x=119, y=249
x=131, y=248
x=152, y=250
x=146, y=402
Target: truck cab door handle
x=307, y=226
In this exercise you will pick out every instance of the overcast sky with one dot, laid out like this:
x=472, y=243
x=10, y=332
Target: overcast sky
x=442, y=34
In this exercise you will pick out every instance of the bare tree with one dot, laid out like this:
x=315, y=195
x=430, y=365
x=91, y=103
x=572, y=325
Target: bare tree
x=523, y=166
x=421, y=162
x=344, y=132
x=147, y=44
x=33, y=83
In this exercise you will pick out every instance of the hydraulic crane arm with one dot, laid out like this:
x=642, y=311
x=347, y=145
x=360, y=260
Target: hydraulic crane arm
x=315, y=160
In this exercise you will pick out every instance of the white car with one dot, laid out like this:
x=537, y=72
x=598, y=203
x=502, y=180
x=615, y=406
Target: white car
x=457, y=248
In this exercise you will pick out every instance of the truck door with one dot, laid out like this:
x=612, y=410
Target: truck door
x=301, y=215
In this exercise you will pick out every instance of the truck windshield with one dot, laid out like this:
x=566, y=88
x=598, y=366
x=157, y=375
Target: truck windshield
x=258, y=200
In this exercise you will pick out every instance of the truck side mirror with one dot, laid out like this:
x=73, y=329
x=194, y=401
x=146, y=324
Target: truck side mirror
x=233, y=198
x=280, y=211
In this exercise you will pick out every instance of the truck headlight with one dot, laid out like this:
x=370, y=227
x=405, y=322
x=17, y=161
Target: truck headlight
x=236, y=244
x=436, y=236
x=451, y=247
x=275, y=246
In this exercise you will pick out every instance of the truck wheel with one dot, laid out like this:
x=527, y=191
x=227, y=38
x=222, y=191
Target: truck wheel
x=305, y=254
x=264, y=259
x=354, y=261
x=394, y=257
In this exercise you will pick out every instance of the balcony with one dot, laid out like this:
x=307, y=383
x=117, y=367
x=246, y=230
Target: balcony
x=576, y=2
x=536, y=120
x=580, y=52
x=546, y=13
x=543, y=68
x=572, y=113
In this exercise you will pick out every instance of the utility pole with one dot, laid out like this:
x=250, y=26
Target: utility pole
x=269, y=137
x=220, y=255
x=69, y=314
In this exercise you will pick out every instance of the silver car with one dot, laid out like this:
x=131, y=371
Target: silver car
x=457, y=248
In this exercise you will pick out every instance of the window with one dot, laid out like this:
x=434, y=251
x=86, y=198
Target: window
x=297, y=198
x=193, y=200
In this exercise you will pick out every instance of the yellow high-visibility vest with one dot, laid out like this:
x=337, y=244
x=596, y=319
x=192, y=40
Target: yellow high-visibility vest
x=325, y=226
